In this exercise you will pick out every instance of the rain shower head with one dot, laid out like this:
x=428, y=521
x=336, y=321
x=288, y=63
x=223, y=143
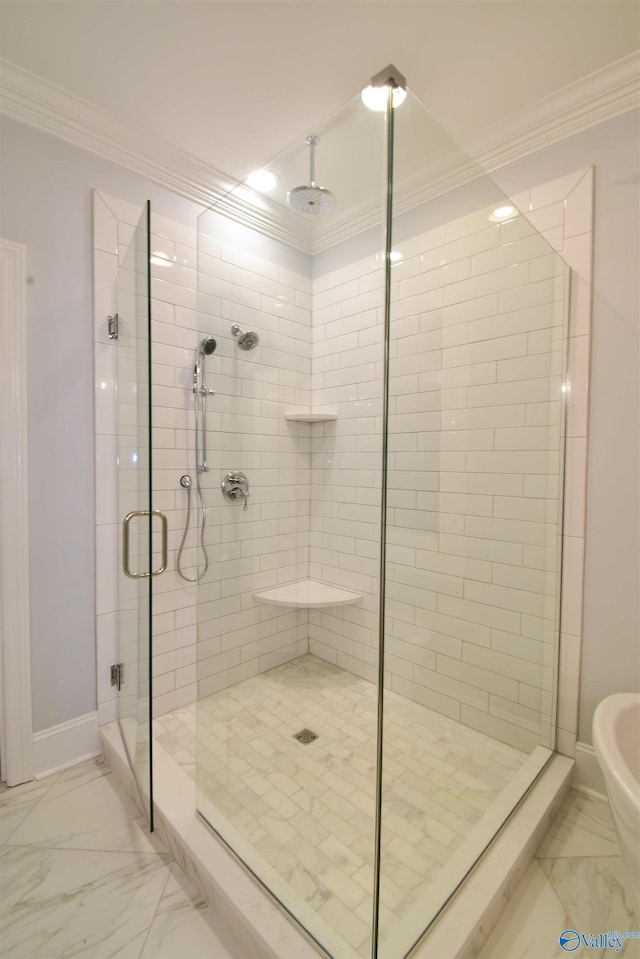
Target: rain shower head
x=207, y=345
x=311, y=198
x=246, y=341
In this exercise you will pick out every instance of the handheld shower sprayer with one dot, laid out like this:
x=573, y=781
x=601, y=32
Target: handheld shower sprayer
x=206, y=347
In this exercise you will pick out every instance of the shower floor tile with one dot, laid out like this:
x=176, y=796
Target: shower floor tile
x=302, y=815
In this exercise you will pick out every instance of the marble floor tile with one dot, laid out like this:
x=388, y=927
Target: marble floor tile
x=59, y=903
x=249, y=761
x=69, y=779
x=592, y=891
x=186, y=926
x=583, y=827
x=83, y=810
x=18, y=801
x=60, y=900
x=576, y=882
x=530, y=926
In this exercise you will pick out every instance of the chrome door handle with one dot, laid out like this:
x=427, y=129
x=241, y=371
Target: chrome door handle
x=125, y=543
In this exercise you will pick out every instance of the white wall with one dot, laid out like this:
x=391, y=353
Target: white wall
x=477, y=314
x=265, y=287
x=46, y=204
x=471, y=593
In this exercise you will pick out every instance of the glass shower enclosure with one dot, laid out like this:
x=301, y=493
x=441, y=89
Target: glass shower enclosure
x=378, y=627
x=131, y=331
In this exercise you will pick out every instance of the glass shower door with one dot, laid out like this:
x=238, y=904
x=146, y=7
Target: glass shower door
x=135, y=549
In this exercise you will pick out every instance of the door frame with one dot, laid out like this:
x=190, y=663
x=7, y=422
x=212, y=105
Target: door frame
x=16, y=723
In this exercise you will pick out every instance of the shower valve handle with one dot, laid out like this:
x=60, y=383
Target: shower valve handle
x=235, y=486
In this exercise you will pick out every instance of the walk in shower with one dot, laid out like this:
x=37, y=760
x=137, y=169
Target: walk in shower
x=378, y=622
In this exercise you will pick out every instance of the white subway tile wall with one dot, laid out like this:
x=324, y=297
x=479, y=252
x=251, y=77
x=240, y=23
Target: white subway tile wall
x=266, y=544
x=474, y=472
x=476, y=319
x=348, y=320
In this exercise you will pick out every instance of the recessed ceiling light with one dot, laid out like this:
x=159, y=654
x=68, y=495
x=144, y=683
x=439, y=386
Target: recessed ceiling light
x=262, y=180
x=376, y=97
x=502, y=213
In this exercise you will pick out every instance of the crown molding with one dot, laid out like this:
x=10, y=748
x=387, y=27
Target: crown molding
x=575, y=108
x=596, y=98
x=49, y=108
x=600, y=96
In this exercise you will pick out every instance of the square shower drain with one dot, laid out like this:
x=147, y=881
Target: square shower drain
x=305, y=736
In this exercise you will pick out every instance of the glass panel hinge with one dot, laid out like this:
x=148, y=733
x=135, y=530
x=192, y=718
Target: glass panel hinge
x=117, y=670
x=114, y=326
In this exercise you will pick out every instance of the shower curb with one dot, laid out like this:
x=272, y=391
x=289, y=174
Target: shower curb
x=248, y=916
x=467, y=921
x=253, y=921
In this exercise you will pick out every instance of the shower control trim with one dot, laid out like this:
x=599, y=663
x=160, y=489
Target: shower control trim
x=235, y=487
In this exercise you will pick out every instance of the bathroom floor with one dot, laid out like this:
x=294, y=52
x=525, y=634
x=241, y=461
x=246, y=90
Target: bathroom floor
x=575, y=882
x=302, y=816
x=81, y=877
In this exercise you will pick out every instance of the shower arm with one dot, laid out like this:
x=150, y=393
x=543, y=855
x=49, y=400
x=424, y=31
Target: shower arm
x=312, y=140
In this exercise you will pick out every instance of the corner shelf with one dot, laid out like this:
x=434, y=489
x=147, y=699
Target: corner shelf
x=308, y=594
x=316, y=416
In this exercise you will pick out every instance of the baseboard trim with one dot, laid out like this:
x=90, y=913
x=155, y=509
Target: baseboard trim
x=587, y=775
x=67, y=744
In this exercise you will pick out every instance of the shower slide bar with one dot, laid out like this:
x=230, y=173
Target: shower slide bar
x=201, y=434
x=206, y=347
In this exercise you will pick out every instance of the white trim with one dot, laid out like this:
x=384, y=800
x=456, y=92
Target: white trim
x=30, y=99
x=600, y=96
x=15, y=635
x=65, y=745
x=587, y=775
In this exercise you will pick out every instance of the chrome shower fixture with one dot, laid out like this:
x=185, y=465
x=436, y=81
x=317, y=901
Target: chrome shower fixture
x=206, y=347
x=311, y=198
x=246, y=341
x=186, y=483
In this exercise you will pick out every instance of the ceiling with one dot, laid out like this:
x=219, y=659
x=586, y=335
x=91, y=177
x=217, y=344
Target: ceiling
x=229, y=83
